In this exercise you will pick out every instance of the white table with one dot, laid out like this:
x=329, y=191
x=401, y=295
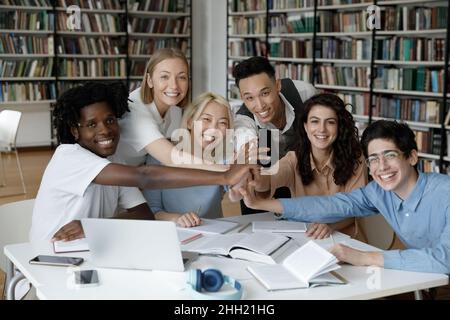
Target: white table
x=55, y=282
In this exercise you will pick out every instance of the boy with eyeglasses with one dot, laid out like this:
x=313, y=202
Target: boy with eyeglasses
x=415, y=204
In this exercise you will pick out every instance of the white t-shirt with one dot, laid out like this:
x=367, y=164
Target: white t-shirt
x=67, y=192
x=142, y=126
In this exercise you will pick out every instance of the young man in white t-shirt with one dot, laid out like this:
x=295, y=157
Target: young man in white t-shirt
x=81, y=180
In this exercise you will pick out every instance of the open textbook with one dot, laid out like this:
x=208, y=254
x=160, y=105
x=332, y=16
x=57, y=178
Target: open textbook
x=260, y=246
x=278, y=226
x=306, y=265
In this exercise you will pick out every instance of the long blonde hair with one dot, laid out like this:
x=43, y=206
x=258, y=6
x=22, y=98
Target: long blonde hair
x=157, y=57
x=193, y=111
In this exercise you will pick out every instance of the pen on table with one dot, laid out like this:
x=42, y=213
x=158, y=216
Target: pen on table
x=332, y=239
x=244, y=227
x=195, y=237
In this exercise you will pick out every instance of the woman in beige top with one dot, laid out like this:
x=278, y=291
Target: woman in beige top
x=328, y=159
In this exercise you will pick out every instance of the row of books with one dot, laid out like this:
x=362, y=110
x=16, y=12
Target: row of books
x=287, y=48
x=28, y=3
x=66, y=85
x=428, y=140
x=356, y=49
x=138, y=68
x=248, y=5
x=426, y=165
x=92, y=4
x=356, y=103
x=330, y=21
x=27, y=91
x=148, y=46
x=247, y=25
x=247, y=47
x=23, y=20
x=413, y=18
x=419, y=79
x=344, y=76
x=25, y=44
x=339, y=2
x=160, y=25
x=290, y=4
x=158, y=5
x=26, y=68
x=92, y=68
x=410, y=49
x=255, y=5
x=294, y=71
x=93, y=22
x=90, y=45
x=407, y=109
x=292, y=23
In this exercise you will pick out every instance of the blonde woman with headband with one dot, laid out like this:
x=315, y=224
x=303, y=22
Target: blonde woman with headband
x=205, y=122
x=156, y=111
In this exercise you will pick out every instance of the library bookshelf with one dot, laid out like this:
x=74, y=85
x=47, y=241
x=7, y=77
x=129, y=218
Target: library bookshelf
x=40, y=56
x=398, y=70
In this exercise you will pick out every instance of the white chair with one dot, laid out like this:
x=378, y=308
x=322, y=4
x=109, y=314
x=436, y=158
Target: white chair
x=9, y=125
x=15, y=224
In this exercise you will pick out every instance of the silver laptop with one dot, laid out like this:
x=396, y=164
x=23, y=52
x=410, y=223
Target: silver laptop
x=133, y=244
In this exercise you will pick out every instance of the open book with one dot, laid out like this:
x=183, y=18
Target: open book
x=258, y=247
x=278, y=226
x=214, y=226
x=299, y=270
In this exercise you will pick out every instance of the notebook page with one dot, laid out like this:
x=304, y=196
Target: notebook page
x=308, y=261
x=276, y=277
x=278, y=226
x=262, y=242
x=215, y=244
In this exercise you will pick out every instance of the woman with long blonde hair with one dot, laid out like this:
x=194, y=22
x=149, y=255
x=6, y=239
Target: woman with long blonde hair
x=205, y=123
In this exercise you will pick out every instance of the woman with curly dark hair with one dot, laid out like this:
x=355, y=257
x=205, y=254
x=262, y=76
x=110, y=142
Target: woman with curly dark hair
x=328, y=159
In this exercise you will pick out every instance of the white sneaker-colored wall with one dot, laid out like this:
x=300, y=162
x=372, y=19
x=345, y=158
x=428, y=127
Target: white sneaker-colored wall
x=209, y=46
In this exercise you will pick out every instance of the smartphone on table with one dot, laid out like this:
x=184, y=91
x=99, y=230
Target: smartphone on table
x=85, y=278
x=56, y=261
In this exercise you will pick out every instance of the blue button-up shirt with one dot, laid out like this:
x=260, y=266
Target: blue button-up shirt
x=422, y=221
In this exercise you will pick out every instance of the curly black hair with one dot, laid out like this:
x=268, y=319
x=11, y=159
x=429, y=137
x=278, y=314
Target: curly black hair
x=346, y=148
x=66, y=113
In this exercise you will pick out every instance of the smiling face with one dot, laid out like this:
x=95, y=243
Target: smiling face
x=321, y=128
x=395, y=174
x=211, y=125
x=261, y=96
x=98, y=130
x=169, y=82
